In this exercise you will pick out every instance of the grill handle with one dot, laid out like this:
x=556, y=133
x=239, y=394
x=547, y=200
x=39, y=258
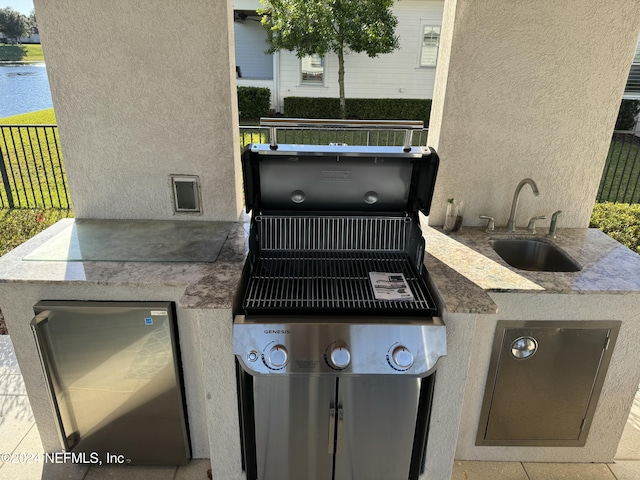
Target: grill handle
x=407, y=125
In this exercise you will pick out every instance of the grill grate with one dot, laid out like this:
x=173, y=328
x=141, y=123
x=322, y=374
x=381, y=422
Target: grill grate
x=333, y=233
x=284, y=281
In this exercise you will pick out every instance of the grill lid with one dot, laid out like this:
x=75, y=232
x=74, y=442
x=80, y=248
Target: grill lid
x=317, y=178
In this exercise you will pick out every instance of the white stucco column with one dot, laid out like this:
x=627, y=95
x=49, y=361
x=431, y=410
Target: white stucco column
x=528, y=89
x=143, y=90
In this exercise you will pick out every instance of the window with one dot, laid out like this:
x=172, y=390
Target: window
x=430, y=44
x=312, y=70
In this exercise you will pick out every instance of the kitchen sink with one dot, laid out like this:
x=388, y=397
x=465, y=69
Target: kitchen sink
x=534, y=254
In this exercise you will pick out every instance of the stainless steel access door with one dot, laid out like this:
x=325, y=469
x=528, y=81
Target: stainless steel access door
x=379, y=416
x=368, y=423
x=294, y=436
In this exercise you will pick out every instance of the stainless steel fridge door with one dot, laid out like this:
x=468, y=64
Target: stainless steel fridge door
x=295, y=421
x=376, y=424
x=115, y=380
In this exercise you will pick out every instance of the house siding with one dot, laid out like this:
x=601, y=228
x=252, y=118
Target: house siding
x=395, y=75
x=250, y=45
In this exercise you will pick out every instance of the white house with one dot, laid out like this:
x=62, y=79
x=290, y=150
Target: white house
x=409, y=72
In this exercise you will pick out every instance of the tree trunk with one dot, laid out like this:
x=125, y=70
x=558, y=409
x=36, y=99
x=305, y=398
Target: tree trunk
x=343, y=107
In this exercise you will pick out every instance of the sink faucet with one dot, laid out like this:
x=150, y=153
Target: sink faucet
x=511, y=224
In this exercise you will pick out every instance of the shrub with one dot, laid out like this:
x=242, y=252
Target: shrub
x=254, y=102
x=359, y=108
x=629, y=110
x=620, y=221
x=18, y=226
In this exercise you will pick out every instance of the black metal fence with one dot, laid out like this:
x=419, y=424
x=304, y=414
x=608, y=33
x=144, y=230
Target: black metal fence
x=337, y=135
x=621, y=176
x=32, y=172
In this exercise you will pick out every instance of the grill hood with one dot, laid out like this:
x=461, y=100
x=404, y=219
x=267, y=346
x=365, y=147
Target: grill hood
x=338, y=179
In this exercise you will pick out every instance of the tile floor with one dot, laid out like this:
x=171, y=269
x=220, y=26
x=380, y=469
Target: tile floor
x=18, y=434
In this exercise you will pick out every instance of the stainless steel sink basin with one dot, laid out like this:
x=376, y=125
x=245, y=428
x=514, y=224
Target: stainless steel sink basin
x=534, y=254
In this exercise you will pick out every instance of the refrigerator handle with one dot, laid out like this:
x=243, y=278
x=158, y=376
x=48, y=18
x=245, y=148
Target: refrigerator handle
x=37, y=323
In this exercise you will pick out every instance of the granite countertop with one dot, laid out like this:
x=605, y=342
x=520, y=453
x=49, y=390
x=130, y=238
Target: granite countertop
x=464, y=265
x=463, y=268
x=208, y=284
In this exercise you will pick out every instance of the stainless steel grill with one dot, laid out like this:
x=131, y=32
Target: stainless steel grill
x=319, y=353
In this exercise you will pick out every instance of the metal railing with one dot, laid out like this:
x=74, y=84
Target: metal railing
x=621, y=176
x=326, y=136
x=32, y=172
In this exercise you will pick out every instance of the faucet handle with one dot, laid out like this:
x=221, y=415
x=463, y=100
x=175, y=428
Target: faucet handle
x=554, y=222
x=491, y=225
x=532, y=223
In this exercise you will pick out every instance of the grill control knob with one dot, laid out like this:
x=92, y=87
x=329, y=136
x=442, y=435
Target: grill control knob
x=339, y=357
x=401, y=357
x=278, y=356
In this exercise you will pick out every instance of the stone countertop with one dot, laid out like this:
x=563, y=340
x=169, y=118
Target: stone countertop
x=207, y=285
x=464, y=266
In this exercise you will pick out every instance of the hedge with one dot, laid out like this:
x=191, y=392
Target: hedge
x=620, y=221
x=254, y=102
x=359, y=108
x=629, y=110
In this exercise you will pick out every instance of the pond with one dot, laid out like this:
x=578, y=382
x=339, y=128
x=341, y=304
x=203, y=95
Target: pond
x=24, y=87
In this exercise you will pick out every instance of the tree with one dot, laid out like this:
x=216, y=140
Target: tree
x=311, y=27
x=13, y=24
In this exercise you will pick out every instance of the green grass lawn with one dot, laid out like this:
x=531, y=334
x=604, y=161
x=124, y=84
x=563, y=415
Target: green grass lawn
x=32, y=174
x=40, y=117
x=620, y=181
x=21, y=53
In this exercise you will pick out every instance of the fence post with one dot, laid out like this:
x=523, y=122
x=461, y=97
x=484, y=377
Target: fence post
x=5, y=178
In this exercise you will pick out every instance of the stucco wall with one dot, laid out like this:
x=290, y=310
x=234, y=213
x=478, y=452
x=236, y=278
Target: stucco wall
x=143, y=90
x=529, y=89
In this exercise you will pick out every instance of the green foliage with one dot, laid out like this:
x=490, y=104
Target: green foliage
x=253, y=102
x=18, y=226
x=21, y=53
x=40, y=117
x=629, y=110
x=319, y=26
x=13, y=24
x=620, y=221
x=359, y=108
x=340, y=26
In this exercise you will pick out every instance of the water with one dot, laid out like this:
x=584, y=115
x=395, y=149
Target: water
x=23, y=88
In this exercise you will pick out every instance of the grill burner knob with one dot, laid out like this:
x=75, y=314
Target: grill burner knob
x=278, y=356
x=401, y=357
x=339, y=357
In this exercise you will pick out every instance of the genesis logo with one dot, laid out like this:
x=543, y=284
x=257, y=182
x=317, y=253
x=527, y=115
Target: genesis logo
x=277, y=332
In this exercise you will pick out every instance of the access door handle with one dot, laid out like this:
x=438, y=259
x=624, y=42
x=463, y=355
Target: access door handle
x=332, y=429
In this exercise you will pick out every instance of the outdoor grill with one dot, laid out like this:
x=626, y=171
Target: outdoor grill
x=336, y=332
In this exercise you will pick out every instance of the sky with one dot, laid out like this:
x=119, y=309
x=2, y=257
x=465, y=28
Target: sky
x=22, y=6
